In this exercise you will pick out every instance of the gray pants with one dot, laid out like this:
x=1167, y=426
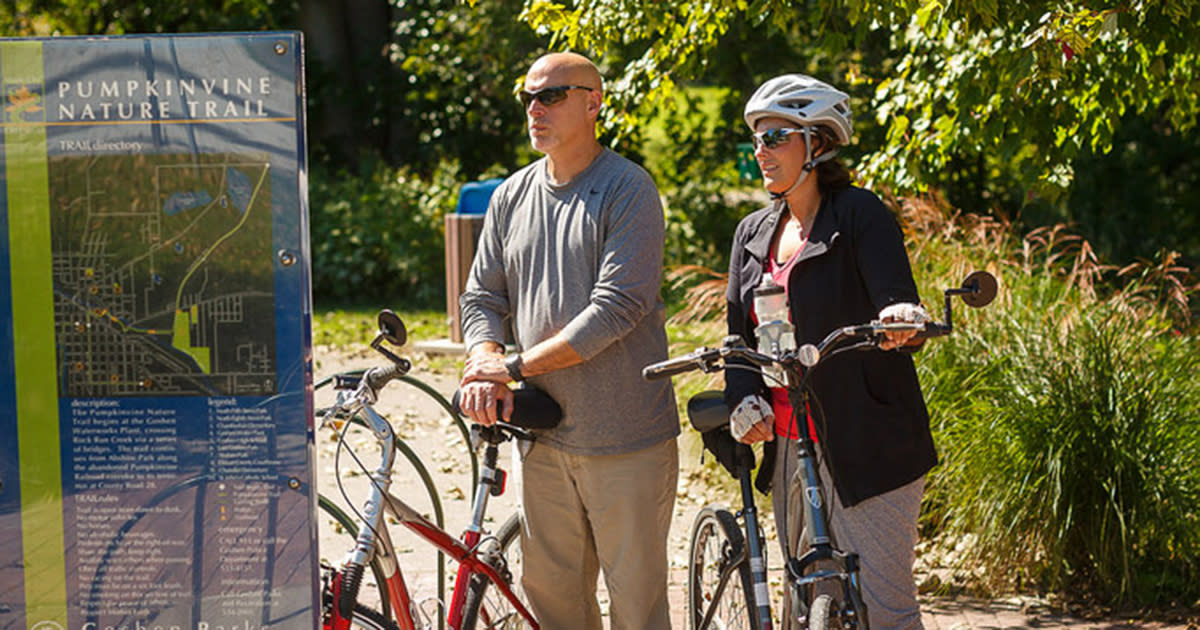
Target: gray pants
x=881, y=529
x=585, y=513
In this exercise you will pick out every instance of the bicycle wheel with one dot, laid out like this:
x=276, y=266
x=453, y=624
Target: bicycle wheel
x=488, y=607
x=719, y=574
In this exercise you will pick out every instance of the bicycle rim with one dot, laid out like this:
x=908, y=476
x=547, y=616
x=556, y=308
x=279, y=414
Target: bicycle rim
x=717, y=544
x=488, y=608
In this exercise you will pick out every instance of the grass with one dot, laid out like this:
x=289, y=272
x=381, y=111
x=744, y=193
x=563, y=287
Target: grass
x=347, y=327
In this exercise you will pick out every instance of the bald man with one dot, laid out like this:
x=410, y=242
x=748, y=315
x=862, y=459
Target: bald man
x=571, y=254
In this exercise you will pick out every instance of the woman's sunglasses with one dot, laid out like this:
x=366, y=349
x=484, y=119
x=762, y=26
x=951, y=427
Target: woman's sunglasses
x=551, y=95
x=772, y=138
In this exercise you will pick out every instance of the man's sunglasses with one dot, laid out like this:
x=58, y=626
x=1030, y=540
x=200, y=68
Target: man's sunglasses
x=772, y=138
x=551, y=95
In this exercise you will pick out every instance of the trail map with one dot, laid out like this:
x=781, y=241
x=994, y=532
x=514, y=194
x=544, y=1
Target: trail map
x=163, y=275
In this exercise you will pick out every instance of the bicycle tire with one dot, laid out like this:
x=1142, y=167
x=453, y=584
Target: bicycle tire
x=486, y=608
x=717, y=542
x=821, y=613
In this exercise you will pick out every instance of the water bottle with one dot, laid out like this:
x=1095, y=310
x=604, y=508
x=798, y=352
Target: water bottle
x=775, y=332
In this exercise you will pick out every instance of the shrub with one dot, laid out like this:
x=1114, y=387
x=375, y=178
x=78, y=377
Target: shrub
x=378, y=235
x=1066, y=418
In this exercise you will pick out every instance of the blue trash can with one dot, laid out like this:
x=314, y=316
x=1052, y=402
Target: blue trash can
x=474, y=196
x=462, y=233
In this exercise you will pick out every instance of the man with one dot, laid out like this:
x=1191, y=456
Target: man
x=571, y=251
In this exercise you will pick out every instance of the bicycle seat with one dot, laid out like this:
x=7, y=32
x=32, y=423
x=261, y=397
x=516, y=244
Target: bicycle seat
x=707, y=411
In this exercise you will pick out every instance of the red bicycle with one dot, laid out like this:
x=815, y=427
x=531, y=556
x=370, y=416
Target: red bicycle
x=483, y=557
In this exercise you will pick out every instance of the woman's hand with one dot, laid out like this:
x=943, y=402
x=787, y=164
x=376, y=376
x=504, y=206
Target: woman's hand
x=752, y=420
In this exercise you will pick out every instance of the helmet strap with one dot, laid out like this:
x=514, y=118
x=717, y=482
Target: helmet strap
x=810, y=163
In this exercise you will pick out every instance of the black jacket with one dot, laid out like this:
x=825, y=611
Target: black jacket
x=875, y=425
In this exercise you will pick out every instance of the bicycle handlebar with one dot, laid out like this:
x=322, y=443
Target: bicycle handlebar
x=679, y=365
x=977, y=290
x=705, y=359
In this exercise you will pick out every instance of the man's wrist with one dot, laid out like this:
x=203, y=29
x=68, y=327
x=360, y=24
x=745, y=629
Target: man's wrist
x=514, y=364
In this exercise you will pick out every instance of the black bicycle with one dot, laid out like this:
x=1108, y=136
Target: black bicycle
x=719, y=550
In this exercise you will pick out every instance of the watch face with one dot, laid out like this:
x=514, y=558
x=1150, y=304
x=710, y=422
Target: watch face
x=513, y=365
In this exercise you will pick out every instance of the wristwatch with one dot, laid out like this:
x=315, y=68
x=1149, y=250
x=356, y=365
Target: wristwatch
x=513, y=365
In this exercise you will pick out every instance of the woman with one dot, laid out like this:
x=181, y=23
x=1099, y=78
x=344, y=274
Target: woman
x=840, y=257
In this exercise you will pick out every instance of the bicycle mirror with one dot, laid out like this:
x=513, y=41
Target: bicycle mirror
x=981, y=289
x=392, y=328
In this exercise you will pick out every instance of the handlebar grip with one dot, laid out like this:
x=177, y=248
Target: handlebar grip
x=669, y=368
x=377, y=377
x=933, y=329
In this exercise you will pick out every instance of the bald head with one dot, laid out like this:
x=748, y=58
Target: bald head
x=567, y=67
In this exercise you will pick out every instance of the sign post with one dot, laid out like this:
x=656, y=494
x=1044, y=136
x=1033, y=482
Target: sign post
x=156, y=447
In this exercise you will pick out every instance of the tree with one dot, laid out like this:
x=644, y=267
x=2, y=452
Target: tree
x=1027, y=86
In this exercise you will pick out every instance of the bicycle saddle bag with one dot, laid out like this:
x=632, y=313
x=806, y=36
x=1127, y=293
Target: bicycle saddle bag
x=709, y=415
x=532, y=408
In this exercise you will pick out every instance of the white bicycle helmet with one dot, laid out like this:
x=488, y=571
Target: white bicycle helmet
x=810, y=104
x=804, y=101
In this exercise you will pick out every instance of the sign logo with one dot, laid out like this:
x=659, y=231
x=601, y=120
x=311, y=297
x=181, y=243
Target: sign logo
x=23, y=103
x=47, y=625
x=814, y=498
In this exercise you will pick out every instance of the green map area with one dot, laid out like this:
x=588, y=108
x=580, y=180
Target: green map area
x=163, y=275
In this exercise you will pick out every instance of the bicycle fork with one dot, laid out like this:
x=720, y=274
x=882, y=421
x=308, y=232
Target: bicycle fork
x=372, y=537
x=821, y=550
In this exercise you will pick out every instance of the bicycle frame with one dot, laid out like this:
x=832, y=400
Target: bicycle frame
x=374, y=541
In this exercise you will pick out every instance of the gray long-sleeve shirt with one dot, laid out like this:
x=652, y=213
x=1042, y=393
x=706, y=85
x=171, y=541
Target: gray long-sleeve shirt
x=584, y=259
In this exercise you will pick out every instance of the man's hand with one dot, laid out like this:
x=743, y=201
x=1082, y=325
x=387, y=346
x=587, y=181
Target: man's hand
x=486, y=366
x=901, y=312
x=478, y=399
x=752, y=420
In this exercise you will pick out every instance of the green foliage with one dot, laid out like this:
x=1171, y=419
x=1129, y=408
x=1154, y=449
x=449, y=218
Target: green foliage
x=1029, y=85
x=379, y=234
x=690, y=151
x=119, y=17
x=1065, y=415
x=1139, y=197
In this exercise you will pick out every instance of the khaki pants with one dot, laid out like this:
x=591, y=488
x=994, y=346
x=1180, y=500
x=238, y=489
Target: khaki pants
x=586, y=513
x=881, y=529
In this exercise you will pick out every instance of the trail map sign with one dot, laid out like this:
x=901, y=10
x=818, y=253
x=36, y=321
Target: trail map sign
x=155, y=366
